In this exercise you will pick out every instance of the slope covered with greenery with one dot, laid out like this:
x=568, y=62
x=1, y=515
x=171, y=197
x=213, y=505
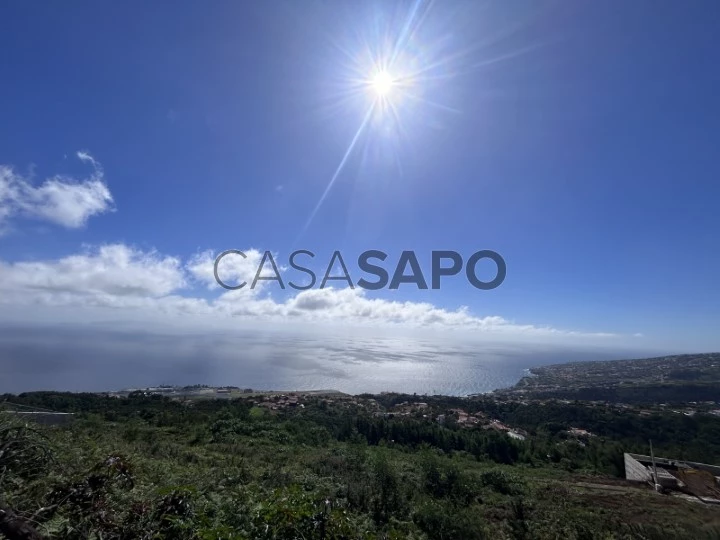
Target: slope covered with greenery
x=148, y=467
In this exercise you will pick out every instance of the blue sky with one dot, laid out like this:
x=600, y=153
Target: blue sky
x=577, y=139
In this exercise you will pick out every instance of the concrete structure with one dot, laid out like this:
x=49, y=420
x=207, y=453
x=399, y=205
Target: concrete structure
x=636, y=469
x=698, y=479
x=665, y=479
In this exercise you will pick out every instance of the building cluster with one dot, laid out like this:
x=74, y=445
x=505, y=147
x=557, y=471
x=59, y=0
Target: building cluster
x=410, y=407
x=299, y=400
x=480, y=419
x=513, y=433
x=464, y=418
x=579, y=433
x=279, y=402
x=460, y=417
x=401, y=409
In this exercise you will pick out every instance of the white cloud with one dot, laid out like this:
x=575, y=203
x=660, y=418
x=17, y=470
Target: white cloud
x=112, y=271
x=233, y=268
x=60, y=200
x=148, y=284
x=353, y=306
x=84, y=155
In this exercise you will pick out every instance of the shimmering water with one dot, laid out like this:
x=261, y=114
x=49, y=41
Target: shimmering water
x=93, y=360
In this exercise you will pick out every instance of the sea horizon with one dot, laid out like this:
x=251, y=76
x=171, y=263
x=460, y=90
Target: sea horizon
x=94, y=360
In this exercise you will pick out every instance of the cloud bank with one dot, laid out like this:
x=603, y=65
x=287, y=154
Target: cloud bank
x=120, y=277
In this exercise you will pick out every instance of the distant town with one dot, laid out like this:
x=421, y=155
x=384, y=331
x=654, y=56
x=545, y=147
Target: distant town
x=556, y=384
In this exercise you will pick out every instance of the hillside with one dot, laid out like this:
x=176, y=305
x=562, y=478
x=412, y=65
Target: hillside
x=670, y=379
x=343, y=467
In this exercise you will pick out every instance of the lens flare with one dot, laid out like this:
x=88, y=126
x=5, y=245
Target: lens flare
x=382, y=83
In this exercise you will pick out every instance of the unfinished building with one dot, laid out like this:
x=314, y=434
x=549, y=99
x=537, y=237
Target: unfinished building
x=697, y=479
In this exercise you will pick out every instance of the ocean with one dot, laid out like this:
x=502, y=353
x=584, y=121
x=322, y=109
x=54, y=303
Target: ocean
x=92, y=359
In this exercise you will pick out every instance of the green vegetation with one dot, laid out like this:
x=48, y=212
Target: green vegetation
x=149, y=467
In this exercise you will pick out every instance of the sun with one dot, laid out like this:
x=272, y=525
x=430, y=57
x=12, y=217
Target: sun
x=382, y=83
